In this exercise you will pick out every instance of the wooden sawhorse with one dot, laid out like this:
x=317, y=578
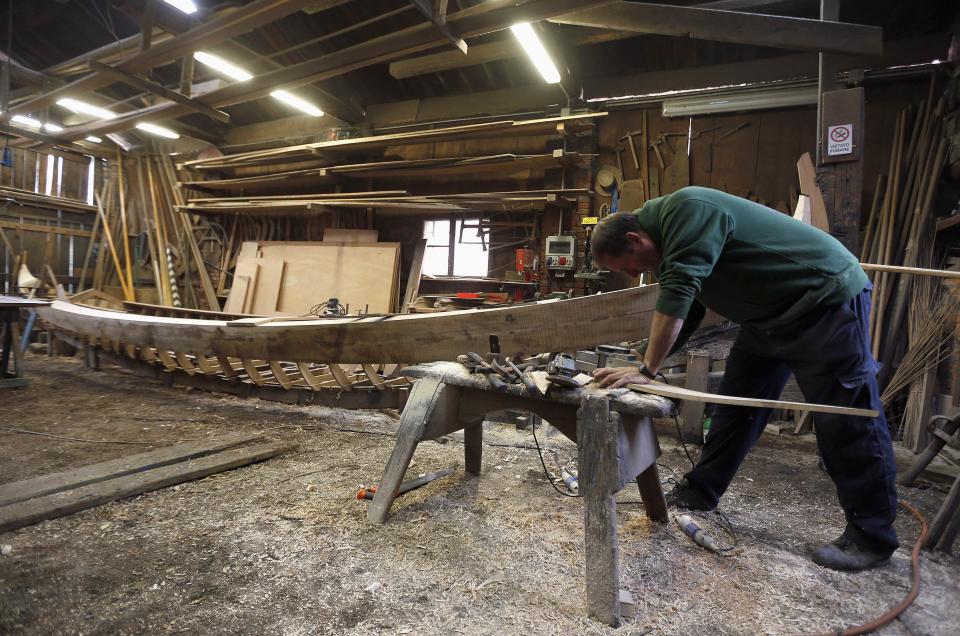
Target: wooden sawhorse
x=616, y=442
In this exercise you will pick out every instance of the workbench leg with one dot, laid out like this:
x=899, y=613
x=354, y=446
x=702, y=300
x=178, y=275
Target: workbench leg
x=473, y=447
x=597, y=435
x=17, y=351
x=416, y=414
x=651, y=492
x=5, y=349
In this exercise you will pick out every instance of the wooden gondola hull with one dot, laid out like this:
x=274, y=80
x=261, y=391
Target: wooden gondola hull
x=534, y=328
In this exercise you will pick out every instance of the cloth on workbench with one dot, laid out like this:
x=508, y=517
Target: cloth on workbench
x=749, y=263
x=831, y=360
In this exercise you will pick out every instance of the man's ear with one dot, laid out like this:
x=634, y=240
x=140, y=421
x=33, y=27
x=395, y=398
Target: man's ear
x=634, y=238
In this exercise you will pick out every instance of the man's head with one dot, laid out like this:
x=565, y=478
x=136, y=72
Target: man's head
x=618, y=243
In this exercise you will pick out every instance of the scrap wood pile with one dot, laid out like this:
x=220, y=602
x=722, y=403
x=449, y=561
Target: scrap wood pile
x=902, y=231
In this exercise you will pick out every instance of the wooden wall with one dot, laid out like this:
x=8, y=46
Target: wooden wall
x=760, y=159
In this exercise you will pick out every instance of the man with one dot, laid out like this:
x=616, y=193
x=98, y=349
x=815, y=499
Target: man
x=803, y=303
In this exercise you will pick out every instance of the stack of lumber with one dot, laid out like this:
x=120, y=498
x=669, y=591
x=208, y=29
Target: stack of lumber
x=275, y=278
x=140, y=202
x=900, y=232
x=33, y=199
x=322, y=151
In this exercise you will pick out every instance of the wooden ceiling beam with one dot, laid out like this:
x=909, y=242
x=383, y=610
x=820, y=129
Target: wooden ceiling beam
x=772, y=69
x=780, y=32
x=160, y=91
x=504, y=49
x=491, y=16
x=219, y=28
x=437, y=14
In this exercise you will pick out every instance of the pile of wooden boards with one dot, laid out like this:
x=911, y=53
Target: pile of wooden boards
x=31, y=501
x=275, y=278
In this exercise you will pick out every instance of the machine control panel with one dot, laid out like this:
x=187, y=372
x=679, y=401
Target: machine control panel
x=560, y=252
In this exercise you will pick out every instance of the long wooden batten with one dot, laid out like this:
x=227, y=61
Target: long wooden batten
x=557, y=325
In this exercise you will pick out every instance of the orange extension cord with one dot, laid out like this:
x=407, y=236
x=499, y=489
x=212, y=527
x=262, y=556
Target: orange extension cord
x=895, y=611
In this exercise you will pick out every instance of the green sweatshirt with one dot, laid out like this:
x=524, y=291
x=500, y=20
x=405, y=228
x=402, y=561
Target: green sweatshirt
x=753, y=265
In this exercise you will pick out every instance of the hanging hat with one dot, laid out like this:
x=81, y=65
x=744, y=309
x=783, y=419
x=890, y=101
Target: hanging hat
x=606, y=180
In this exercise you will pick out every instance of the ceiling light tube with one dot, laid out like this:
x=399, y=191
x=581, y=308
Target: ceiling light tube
x=536, y=52
x=219, y=64
x=159, y=131
x=298, y=103
x=52, y=127
x=94, y=139
x=28, y=122
x=187, y=6
x=77, y=106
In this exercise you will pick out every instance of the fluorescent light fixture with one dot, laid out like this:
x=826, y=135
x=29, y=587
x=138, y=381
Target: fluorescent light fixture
x=94, y=139
x=187, y=6
x=739, y=102
x=51, y=127
x=159, y=131
x=297, y=102
x=28, y=122
x=76, y=106
x=536, y=52
x=217, y=63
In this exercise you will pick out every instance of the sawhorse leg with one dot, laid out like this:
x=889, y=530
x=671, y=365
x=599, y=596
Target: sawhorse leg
x=613, y=451
x=599, y=467
x=430, y=399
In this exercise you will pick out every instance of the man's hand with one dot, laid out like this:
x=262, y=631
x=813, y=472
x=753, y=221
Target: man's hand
x=615, y=378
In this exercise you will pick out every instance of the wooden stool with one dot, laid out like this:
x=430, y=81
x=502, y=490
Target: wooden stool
x=616, y=442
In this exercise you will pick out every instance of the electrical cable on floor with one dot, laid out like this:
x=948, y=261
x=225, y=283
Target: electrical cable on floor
x=533, y=429
x=74, y=439
x=900, y=607
x=679, y=430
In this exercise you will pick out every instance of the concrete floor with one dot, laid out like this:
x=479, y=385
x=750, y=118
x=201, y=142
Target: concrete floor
x=282, y=547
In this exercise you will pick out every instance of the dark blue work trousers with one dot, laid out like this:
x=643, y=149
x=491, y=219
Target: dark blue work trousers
x=831, y=360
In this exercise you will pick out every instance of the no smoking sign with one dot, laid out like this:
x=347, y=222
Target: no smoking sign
x=840, y=140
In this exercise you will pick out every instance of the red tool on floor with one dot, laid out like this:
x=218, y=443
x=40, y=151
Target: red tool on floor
x=407, y=486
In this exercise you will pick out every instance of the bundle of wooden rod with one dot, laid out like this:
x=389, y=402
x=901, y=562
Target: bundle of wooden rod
x=143, y=237
x=901, y=227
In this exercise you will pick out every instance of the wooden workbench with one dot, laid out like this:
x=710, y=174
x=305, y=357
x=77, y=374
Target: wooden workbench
x=613, y=431
x=10, y=307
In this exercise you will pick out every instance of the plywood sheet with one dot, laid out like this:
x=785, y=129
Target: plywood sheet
x=267, y=290
x=339, y=235
x=362, y=275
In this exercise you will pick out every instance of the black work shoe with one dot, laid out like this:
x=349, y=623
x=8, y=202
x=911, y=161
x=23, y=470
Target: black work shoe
x=851, y=554
x=685, y=497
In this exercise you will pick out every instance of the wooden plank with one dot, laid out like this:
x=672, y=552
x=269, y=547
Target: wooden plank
x=597, y=435
x=93, y=473
x=691, y=415
x=917, y=271
x=29, y=512
x=46, y=229
x=267, y=288
x=413, y=278
x=530, y=328
x=808, y=186
x=781, y=32
x=680, y=393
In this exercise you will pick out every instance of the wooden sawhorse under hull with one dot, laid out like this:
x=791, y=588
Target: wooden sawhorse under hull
x=616, y=442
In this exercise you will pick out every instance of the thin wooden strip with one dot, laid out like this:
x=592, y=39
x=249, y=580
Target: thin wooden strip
x=280, y=374
x=374, y=376
x=918, y=271
x=185, y=363
x=93, y=473
x=680, y=393
x=340, y=376
x=252, y=371
x=59, y=504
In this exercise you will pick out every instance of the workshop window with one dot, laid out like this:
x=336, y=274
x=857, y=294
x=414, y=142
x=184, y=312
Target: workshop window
x=453, y=250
